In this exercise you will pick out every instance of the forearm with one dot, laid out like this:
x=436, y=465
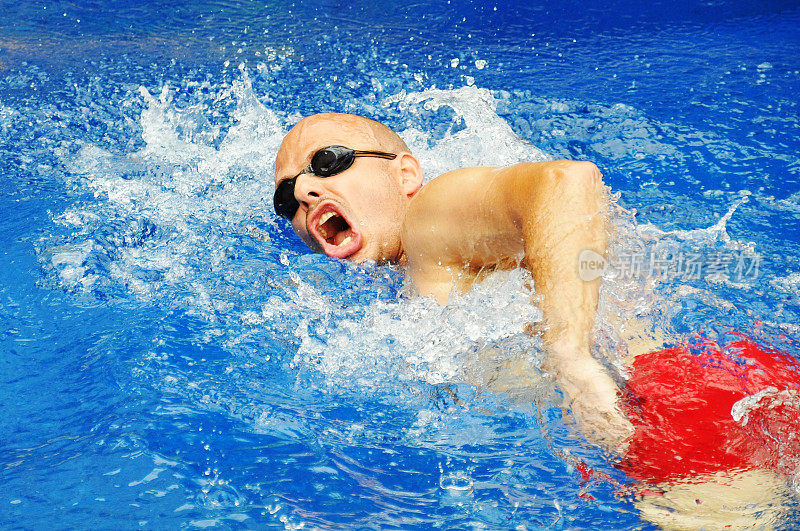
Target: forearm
x=562, y=212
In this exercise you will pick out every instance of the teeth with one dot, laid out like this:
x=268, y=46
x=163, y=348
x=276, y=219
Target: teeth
x=345, y=241
x=323, y=218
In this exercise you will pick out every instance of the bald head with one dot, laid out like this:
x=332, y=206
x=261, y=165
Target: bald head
x=325, y=129
x=357, y=212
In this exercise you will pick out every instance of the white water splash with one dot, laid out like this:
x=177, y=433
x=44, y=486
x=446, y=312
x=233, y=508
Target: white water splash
x=189, y=194
x=716, y=232
x=418, y=339
x=484, y=139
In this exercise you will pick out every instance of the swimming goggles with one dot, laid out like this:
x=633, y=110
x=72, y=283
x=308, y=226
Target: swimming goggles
x=327, y=161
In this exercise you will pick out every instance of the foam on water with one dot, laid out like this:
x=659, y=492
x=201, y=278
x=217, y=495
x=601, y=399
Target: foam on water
x=174, y=205
x=477, y=136
x=419, y=339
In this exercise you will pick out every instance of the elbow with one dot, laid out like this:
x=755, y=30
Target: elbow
x=589, y=174
x=588, y=171
x=578, y=173
x=581, y=184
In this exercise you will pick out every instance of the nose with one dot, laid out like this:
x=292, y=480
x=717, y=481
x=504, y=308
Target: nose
x=307, y=190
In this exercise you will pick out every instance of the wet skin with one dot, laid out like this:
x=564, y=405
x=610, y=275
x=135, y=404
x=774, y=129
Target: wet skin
x=468, y=222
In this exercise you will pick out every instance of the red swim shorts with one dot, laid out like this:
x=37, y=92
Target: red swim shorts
x=702, y=408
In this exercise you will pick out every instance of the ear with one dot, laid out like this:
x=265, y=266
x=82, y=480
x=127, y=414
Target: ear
x=410, y=174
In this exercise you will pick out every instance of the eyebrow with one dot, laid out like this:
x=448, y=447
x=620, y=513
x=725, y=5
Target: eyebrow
x=290, y=176
x=307, y=158
x=279, y=180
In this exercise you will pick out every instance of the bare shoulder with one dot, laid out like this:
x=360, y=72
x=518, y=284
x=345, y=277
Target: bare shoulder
x=453, y=182
x=438, y=230
x=479, y=203
x=554, y=176
x=445, y=200
x=472, y=219
x=464, y=181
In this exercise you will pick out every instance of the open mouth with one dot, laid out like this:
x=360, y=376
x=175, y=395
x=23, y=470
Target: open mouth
x=334, y=233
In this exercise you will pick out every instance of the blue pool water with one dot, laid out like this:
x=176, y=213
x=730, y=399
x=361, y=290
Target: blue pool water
x=172, y=356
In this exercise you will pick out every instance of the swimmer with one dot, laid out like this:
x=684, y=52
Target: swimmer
x=352, y=190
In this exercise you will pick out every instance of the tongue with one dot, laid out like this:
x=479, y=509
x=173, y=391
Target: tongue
x=341, y=240
x=341, y=236
x=335, y=229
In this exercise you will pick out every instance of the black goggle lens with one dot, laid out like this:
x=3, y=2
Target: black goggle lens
x=284, y=201
x=332, y=160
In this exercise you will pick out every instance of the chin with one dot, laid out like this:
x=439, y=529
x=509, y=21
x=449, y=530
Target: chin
x=359, y=256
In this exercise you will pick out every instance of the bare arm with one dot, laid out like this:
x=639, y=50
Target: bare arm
x=562, y=212
x=549, y=213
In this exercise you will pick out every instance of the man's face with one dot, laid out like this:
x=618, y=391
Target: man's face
x=356, y=214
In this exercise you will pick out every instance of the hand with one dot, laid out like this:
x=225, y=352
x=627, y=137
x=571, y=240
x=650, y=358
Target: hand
x=591, y=394
x=600, y=423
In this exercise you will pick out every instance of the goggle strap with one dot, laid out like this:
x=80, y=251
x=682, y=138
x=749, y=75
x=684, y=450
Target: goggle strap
x=378, y=154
